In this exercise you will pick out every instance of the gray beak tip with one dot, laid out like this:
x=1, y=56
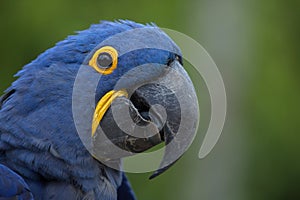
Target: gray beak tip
x=158, y=172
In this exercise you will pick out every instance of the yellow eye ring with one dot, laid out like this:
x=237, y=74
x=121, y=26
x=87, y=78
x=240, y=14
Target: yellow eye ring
x=105, y=60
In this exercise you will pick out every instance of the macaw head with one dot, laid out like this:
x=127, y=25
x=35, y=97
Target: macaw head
x=120, y=86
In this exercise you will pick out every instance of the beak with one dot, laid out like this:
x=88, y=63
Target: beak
x=103, y=106
x=164, y=110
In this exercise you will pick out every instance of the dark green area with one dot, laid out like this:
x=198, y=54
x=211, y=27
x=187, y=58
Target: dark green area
x=256, y=46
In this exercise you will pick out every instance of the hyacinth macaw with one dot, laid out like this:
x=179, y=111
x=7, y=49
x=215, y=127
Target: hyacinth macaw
x=42, y=156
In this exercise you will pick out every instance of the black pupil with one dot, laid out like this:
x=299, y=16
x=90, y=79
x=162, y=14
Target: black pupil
x=104, y=60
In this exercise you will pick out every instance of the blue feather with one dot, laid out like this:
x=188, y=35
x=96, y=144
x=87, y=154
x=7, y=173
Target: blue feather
x=12, y=186
x=125, y=191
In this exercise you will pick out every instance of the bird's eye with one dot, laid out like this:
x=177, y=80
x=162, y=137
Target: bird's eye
x=104, y=60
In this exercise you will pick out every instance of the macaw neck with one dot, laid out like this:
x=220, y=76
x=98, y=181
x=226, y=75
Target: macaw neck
x=38, y=136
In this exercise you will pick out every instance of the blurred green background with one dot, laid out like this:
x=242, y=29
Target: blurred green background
x=257, y=49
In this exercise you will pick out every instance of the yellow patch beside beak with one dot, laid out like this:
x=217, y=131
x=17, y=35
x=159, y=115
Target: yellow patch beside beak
x=103, y=106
